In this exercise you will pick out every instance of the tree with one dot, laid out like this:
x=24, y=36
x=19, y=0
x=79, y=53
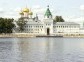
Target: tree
x=21, y=23
x=58, y=19
x=6, y=25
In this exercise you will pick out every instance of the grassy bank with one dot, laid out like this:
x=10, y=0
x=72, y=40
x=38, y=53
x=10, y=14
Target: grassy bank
x=32, y=35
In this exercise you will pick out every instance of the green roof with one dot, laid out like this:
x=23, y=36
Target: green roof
x=48, y=13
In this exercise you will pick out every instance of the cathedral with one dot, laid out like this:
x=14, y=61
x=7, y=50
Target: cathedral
x=46, y=26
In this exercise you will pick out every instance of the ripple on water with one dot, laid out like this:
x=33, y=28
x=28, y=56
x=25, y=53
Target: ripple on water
x=41, y=50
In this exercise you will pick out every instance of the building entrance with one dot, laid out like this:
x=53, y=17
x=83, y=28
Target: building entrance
x=48, y=31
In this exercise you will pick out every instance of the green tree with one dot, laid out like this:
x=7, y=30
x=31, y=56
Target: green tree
x=6, y=25
x=21, y=23
x=58, y=19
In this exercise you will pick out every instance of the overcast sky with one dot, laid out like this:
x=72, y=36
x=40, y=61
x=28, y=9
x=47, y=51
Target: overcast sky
x=71, y=10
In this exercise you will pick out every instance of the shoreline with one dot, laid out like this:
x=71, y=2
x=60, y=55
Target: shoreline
x=16, y=35
x=24, y=35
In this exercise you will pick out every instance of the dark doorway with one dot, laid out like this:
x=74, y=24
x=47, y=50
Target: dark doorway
x=48, y=31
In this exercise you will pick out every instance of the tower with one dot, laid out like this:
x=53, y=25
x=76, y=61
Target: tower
x=26, y=13
x=48, y=22
x=36, y=18
x=48, y=13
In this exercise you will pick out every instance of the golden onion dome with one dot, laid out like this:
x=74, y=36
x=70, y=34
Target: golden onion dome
x=30, y=13
x=25, y=10
x=21, y=13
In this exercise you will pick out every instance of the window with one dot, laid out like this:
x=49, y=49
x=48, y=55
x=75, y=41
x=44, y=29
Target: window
x=67, y=26
x=31, y=26
x=63, y=26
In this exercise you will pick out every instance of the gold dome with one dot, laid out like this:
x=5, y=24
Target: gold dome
x=30, y=13
x=25, y=10
x=21, y=13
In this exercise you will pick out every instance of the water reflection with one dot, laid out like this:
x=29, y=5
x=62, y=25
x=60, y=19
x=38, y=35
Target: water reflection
x=41, y=50
x=8, y=50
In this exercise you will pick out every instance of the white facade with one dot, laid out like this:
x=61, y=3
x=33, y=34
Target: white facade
x=47, y=27
x=66, y=27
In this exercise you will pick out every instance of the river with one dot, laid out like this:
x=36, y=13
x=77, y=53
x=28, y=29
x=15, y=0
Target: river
x=42, y=49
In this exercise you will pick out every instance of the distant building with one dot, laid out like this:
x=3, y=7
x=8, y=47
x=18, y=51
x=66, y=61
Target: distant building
x=46, y=26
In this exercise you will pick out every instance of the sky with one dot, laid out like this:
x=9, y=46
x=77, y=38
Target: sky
x=70, y=10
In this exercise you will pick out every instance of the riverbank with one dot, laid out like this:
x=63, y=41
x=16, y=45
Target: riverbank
x=31, y=35
x=16, y=35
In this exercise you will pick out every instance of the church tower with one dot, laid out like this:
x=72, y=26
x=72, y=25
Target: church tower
x=26, y=13
x=48, y=22
x=48, y=13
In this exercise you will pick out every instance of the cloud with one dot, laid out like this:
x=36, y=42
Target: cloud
x=10, y=13
x=74, y=19
x=14, y=12
x=18, y=9
x=82, y=7
x=37, y=9
x=1, y=10
x=78, y=20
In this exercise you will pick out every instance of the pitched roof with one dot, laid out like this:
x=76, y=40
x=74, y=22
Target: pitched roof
x=48, y=12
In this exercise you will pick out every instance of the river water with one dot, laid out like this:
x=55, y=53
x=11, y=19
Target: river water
x=41, y=49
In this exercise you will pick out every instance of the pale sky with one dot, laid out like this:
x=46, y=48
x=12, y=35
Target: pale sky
x=71, y=10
